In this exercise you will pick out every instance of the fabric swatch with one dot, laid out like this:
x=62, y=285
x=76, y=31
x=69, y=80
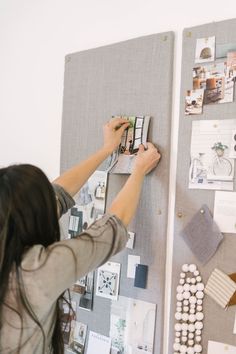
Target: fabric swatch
x=220, y=288
x=202, y=235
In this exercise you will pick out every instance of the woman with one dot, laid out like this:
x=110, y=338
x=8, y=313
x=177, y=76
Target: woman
x=35, y=266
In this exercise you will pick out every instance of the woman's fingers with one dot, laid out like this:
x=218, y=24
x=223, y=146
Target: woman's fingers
x=141, y=148
x=116, y=122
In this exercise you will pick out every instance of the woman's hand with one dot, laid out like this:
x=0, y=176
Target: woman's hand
x=146, y=160
x=112, y=132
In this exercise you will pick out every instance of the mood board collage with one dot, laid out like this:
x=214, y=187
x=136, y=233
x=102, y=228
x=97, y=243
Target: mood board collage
x=212, y=153
x=132, y=321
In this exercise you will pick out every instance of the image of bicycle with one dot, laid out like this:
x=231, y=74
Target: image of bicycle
x=221, y=166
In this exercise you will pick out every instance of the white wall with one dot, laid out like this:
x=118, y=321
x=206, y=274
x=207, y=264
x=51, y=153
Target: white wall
x=35, y=35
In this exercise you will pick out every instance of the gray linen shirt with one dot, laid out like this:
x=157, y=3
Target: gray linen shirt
x=48, y=272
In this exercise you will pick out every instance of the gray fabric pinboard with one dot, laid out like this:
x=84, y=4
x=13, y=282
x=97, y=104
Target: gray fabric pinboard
x=218, y=324
x=132, y=78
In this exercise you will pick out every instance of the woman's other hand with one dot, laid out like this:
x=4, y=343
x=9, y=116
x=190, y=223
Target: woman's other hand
x=146, y=160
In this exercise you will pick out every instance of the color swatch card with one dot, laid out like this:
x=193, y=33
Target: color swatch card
x=133, y=261
x=140, y=280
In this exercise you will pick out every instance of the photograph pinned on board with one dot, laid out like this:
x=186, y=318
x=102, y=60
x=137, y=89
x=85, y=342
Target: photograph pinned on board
x=231, y=64
x=205, y=50
x=123, y=158
x=90, y=204
x=232, y=151
x=132, y=326
x=131, y=239
x=68, y=317
x=210, y=164
x=194, y=102
x=108, y=280
x=219, y=88
x=203, y=72
x=85, y=287
x=80, y=286
x=78, y=338
x=222, y=49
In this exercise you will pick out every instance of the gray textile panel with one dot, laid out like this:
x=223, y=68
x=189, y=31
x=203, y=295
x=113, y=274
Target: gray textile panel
x=218, y=324
x=132, y=77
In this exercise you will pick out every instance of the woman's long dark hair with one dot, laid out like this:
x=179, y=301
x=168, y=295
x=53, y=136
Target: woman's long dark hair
x=28, y=216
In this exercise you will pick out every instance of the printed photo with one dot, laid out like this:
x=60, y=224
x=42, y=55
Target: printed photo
x=80, y=286
x=90, y=204
x=223, y=49
x=78, y=338
x=132, y=326
x=131, y=239
x=68, y=317
x=210, y=164
x=231, y=64
x=194, y=102
x=203, y=72
x=123, y=159
x=108, y=280
x=219, y=88
x=205, y=50
x=85, y=287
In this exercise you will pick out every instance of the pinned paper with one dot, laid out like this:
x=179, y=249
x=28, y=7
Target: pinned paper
x=234, y=331
x=108, y=280
x=130, y=242
x=220, y=348
x=132, y=326
x=225, y=211
x=98, y=343
x=132, y=263
x=205, y=49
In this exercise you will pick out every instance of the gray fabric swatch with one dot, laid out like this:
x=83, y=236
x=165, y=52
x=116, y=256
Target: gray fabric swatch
x=202, y=235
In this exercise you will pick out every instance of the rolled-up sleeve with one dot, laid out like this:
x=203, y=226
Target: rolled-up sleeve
x=58, y=266
x=64, y=199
